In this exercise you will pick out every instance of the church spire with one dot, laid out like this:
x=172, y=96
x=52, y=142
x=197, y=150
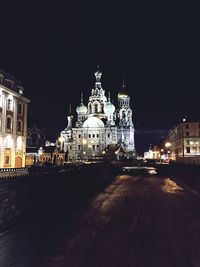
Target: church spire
x=70, y=109
x=81, y=97
x=108, y=96
x=98, y=75
x=123, y=82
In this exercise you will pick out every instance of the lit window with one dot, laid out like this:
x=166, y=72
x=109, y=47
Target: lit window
x=8, y=142
x=19, y=143
x=7, y=160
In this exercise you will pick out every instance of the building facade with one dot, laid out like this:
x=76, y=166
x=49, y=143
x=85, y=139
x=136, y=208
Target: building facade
x=13, y=122
x=99, y=125
x=183, y=141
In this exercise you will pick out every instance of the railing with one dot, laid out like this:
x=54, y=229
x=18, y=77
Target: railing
x=13, y=172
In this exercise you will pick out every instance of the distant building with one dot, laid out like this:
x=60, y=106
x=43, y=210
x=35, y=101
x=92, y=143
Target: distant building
x=35, y=139
x=153, y=153
x=13, y=122
x=183, y=141
x=99, y=126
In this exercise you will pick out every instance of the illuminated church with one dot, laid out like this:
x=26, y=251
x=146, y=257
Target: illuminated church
x=100, y=126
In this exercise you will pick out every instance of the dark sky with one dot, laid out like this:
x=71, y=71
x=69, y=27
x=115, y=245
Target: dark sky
x=53, y=48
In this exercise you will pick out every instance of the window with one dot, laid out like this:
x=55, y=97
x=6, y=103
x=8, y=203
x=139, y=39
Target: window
x=20, y=109
x=9, y=104
x=79, y=147
x=187, y=126
x=187, y=134
x=97, y=135
x=79, y=136
x=97, y=147
x=188, y=142
x=188, y=150
x=7, y=156
x=19, y=126
x=108, y=135
x=70, y=147
x=7, y=160
x=93, y=135
x=8, y=123
x=89, y=135
x=93, y=147
x=96, y=108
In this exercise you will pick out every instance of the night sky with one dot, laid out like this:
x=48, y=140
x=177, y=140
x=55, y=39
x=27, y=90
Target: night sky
x=53, y=48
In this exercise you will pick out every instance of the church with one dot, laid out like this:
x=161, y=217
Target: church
x=99, y=126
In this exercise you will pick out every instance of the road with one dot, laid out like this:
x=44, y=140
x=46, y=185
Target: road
x=137, y=221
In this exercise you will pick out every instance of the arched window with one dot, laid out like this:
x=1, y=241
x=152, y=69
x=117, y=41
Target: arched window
x=90, y=109
x=96, y=108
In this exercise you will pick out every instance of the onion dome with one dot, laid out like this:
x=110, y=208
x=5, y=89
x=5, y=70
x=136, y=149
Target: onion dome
x=109, y=108
x=93, y=122
x=81, y=109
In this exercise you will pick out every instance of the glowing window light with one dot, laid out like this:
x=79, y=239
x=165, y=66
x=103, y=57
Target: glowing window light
x=8, y=142
x=19, y=143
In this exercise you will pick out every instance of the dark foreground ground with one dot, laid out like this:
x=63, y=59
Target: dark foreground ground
x=135, y=221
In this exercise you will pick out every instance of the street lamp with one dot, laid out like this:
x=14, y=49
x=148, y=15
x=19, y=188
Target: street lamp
x=84, y=142
x=168, y=145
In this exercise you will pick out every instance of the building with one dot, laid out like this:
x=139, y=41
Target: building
x=13, y=122
x=99, y=125
x=183, y=141
x=35, y=139
x=153, y=153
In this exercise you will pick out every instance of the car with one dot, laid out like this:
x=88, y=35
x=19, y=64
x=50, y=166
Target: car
x=139, y=170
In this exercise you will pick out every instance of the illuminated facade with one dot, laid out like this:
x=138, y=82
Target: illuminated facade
x=13, y=122
x=183, y=141
x=99, y=125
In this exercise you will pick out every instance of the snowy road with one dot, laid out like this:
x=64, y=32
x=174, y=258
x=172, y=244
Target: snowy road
x=137, y=221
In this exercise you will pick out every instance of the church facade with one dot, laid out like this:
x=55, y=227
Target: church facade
x=99, y=126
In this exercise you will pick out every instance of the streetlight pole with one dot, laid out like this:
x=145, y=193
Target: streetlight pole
x=168, y=145
x=84, y=152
